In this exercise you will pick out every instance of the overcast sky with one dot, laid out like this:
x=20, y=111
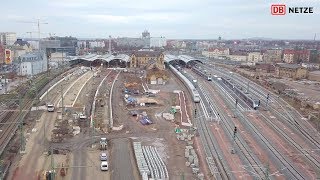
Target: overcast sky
x=174, y=19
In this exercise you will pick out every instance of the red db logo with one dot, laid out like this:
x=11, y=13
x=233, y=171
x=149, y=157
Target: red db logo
x=278, y=9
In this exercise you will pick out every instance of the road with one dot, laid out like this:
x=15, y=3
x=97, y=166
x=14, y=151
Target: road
x=122, y=161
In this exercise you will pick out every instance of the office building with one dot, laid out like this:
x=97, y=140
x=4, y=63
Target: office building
x=8, y=38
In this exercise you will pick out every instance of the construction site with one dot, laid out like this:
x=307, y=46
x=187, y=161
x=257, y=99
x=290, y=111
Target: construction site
x=100, y=122
x=117, y=105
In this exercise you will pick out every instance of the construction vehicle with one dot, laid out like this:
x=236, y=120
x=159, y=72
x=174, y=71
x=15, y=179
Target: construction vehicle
x=103, y=144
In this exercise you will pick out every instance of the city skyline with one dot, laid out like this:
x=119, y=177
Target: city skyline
x=173, y=19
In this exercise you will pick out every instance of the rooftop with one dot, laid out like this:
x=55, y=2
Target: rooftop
x=290, y=66
x=219, y=49
x=293, y=51
x=20, y=42
x=147, y=53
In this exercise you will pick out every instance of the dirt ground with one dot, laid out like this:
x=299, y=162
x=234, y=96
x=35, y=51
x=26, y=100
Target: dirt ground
x=36, y=160
x=159, y=134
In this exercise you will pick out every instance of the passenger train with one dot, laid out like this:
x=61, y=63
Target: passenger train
x=194, y=92
x=202, y=73
x=254, y=103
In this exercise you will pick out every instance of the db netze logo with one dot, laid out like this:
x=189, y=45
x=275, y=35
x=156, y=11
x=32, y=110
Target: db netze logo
x=280, y=9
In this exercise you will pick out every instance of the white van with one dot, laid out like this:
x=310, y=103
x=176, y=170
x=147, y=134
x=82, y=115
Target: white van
x=104, y=166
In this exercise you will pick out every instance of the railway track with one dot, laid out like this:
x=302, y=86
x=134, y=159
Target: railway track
x=9, y=130
x=212, y=160
x=290, y=116
x=296, y=125
x=294, y=173
x=98, y=109
x=311, y=159
x=287, y=114
x=211, y=150
x=228, y=126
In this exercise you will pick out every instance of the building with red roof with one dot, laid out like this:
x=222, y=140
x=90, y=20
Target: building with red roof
x=296, y=56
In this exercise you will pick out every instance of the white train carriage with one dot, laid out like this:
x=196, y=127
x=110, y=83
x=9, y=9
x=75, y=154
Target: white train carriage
x=194, y=92
x=254, y=103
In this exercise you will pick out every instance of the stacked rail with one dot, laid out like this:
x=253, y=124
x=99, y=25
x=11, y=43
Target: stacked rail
x=156, y=165
x=149, y=162
x=141, y=161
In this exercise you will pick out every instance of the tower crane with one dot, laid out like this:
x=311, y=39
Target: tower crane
x=38, y=24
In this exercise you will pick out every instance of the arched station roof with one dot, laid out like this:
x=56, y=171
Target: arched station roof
x=126, y=58
x=185, y=58
x=105, y=57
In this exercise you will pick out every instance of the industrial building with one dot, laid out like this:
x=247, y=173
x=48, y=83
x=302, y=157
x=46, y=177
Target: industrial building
x=294, y=71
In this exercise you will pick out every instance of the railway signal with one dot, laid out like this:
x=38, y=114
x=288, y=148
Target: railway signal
x=236, y=103
x=267, y=101
x=235, y=131
x=233, y=150
x=195, y=112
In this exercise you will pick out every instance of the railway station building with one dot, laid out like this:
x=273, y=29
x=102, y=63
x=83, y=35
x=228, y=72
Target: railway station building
x=152, y=62
x=147, y=60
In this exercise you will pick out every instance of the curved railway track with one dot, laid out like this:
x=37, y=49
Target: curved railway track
x=98, y=111
x=11, y=118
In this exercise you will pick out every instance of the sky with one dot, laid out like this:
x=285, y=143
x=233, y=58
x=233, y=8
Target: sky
x=173, y=19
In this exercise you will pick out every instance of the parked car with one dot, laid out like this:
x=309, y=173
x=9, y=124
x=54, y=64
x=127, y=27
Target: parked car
x=50, y=107
x=103, y=156
x=82, y=116
x=104, y=166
